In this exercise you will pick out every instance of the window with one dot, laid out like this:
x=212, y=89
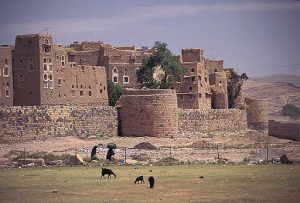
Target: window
x=89, y=87
x=45, y=66
x=50, y=67
x=73, y=93
x=49, y=60
x=90, y=93
x=6, y=62
x=45, y=84
x=136, y=71
x=45, y=60
x=58, y=95
x=50, y=77
x=30, y=67
x=199, y=77
x=104, y=87
x=59, y=82
x=216, y=70
x=6, y=71
x=125, y=77
x=47, y=41
x=190, y=88
x=7, y=84
x=115, y=79
x=45, y=77
x=115, y=70
x=192, y=70
x=205, y=79
x=81, y=93
x=100, y=91
x=193, y=78
x=7, y=93
x=200, y=95
x=63, y=64
x=51, y=84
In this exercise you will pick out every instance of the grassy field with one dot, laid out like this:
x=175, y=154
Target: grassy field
x=239, y=183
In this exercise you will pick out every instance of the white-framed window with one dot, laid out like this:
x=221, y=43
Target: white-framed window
x=136, y=71
x=50, y=67
x=7, y=93
x=51, y=84
x=115, y=75
x=59, y=82
x=6, y=71
x=125, y=77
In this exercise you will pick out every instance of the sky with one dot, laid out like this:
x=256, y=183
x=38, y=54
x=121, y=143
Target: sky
x=256, y=37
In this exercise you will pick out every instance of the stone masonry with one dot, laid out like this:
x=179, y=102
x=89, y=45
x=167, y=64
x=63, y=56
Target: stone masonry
x=285, y=129
x=20, y=124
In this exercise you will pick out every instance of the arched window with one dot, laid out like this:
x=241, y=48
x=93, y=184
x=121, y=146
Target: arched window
x=115, y=75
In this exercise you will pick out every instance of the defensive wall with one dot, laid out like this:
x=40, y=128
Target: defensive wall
x=257, y=113
x=208, y=120
x=18, y=124
x=148, y=113
x=285, y=129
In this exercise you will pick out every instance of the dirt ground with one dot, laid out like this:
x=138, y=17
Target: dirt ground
x=235, y=146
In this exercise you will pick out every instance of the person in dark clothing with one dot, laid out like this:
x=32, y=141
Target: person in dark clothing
x=109, y=154
x=93, y=153
x=151, y=181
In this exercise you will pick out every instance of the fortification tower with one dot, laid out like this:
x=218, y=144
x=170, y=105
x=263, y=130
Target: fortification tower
x=257, y=113
x=148, y=112
x=218, y=82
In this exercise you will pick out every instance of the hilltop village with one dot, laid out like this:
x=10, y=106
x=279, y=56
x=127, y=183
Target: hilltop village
x=51, y=90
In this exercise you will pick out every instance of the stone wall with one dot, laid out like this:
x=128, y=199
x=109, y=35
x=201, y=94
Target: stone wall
x=200, y=121
x=285, y=129
x=19, y=124
x=148, y=113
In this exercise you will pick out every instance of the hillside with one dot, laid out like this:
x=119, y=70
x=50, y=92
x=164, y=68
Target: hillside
x=279, y=89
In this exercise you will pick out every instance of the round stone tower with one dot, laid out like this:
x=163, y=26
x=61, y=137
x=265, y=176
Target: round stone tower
x=257, y=113
x=148, y=112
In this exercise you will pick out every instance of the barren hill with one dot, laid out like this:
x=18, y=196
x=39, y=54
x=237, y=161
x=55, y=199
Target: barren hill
x=279, y=89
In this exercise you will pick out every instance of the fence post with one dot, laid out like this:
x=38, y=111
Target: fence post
x=218, y=153
x=125, y=156
x=267, y=152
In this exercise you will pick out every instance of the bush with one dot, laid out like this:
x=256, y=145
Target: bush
x=291, y=110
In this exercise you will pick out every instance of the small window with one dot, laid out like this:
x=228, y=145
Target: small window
x=30, y=67
x=115, y=79
x=100, y=91
x=89, y=87
x=193, y=70
x=193, y=78
x=216, y=70
x=6, y=62
x=45, y=60
x=137, y=71
x=45, y=66
x=200, y=95
x=73, y=86
x=45, y=77
x=104, y=87
x=115, y=70
x=81, y=86
x=59, y=82
x=6, y=71
x=50, y=77
x=50, y=67
x=7, y=84
x=125, y=79
x=199, y=77
x=45, y=84
x=90, y=93
x=7, y=93
x=73, y=93
x=190, y=88
x=51, y=84
x=63, y=64
x=81, y=93
x=49, y=60
x=58, y=95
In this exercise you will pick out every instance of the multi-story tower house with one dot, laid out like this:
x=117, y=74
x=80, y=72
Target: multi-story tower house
x=193, y=91
x=218, y=83
x=6, y=76
x=44, y=76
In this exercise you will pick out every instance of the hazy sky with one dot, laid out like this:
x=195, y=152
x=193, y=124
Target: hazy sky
x=257, y=37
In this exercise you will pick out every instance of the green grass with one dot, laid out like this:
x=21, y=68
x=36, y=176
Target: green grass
x=230, y=183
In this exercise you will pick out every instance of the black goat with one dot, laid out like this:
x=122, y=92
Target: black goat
x=151, y=181
x=139, y=179
x=106, y=171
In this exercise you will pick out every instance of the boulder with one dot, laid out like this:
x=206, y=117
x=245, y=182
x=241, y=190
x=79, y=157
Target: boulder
x=75, y=159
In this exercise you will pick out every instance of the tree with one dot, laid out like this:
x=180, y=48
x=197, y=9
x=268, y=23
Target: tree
x=114, y=93
x=291, y=110
x=235, y=83
x=158, y=69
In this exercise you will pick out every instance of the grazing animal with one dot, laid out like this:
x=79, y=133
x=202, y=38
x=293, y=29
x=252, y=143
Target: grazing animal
x=151, y=181
x=201, y=177
x=139, y=179
x=106, y=171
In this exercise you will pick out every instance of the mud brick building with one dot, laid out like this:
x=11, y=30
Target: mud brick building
x=6, y=76
x=43, y=75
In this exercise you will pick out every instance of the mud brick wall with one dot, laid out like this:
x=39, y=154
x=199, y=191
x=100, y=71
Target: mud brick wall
x=208, y=120
x=19, y=124
x=285, y=130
